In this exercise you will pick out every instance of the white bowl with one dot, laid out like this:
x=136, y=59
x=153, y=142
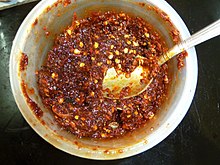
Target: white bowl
x=31, y=40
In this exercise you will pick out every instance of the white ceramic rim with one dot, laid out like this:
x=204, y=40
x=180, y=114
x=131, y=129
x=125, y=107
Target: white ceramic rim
x=164, y=130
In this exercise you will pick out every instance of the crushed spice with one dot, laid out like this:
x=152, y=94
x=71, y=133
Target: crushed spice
x=70, y=82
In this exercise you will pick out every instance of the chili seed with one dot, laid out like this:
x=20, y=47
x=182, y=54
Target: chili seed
x=151, y=115
x=117, y=61
x=136, y=113
x=113, y=109
x=109, y=62
x=105, y=23
x=119, y=66
x=92, y=93
x=110, y=56
x=69, y=31
x=166, y=80
x=96, y=45
x=122, y=14
x=54, y=75
x=99, y=63
x=77, y=99
x=118, y=71
x=82, y=64
x=111, y=36
x=128, y=42
x=113, y=125
x=95, y=127
x=72, y=124
x=147, y=35
x=128, y=75
x=103, y=135
x=76, y=51
x=106, y=130
x=96, y=36
x=125, y=50
x=77, y=23
x=118, y=108
x=135, y=43
x=117, y=52
x=131, y=51
x=61, y=100
x=126, y=36
x=81, y=44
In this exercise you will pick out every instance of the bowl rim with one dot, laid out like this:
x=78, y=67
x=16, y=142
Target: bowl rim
x=176, y=117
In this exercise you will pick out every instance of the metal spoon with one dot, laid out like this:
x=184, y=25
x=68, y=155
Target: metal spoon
x=114, y=83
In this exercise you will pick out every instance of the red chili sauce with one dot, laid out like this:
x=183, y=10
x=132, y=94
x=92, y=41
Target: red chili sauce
x=70, y=82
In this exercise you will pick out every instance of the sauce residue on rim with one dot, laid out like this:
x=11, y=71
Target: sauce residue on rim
x=34, y=107
x=23, y=62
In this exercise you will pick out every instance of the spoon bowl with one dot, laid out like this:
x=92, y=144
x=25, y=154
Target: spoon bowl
x=119, y=86
x=119, y=83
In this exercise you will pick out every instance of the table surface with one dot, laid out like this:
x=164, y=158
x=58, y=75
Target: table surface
x=195, y=141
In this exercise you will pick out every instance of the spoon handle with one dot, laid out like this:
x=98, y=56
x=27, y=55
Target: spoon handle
x=205, y=34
